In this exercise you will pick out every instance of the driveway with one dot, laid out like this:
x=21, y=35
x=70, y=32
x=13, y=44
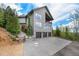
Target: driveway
x=44, y=46
x=70, y=50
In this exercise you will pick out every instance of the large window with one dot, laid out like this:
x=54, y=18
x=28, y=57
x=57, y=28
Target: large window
x=38, y=16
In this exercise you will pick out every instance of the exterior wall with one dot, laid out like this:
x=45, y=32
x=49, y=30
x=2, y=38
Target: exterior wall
x=39, y=22
x=22, y=22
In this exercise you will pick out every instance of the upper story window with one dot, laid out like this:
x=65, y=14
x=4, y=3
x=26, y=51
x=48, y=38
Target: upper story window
x=38, y=16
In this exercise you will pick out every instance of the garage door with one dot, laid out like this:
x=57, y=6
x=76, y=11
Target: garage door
x=44, y=34
x=38, y=34
x=49, y=34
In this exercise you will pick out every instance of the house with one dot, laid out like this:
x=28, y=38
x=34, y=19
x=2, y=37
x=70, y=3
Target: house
x=40, y=20
x=22, y=22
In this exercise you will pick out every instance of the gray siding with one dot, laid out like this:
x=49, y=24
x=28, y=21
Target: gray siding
x=39, y=22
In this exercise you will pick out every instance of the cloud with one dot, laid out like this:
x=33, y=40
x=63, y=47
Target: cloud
x=58, y=9
x=16, y=7
x=13, y=6
x=61, y=13
x=61, y=18
x=54, y=8
x=19, y=13
x=70, y=24
x=40, y=4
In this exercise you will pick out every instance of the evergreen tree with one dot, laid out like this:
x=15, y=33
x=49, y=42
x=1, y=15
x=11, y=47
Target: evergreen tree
x=1, y=17
x=11, y=21
x=29, y=31
x=66, y=32
x=57, y=32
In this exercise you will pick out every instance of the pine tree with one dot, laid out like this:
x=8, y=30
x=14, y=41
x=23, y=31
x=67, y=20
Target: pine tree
x=11, y=21
x=66, y=32
x=29, y=30
x=57, y=32
x=1, y=17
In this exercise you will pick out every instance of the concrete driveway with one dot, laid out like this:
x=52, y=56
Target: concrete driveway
x=44, y=46
x=70, y=50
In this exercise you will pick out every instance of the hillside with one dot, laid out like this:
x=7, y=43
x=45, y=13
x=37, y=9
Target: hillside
x=7, y=46
x=5, y=37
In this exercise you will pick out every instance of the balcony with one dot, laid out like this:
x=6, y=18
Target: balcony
x=48, y=18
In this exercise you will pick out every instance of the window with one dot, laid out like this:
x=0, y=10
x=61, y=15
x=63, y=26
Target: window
x=38, y=16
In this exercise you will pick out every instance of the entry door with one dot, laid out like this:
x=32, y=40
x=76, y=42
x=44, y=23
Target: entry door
x=23, y=27
x=38, y=34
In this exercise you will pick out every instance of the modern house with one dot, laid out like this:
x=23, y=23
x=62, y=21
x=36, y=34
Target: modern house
x=40, y=21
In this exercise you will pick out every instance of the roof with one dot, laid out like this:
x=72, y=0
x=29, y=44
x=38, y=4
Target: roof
x=39, y=8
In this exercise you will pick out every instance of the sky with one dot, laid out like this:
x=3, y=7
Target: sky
x=59, y=11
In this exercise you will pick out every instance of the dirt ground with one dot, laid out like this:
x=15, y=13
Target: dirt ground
x=9, y=47
x=15, y=49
